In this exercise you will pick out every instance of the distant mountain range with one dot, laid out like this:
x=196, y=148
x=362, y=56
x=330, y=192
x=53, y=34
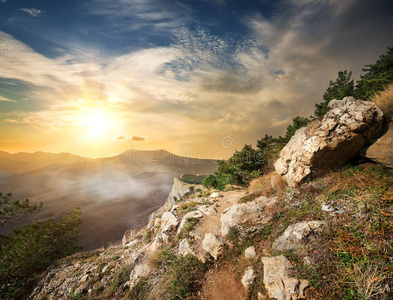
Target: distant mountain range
x=114, y=193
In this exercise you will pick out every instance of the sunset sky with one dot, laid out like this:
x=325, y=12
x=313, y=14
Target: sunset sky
x=96, y=77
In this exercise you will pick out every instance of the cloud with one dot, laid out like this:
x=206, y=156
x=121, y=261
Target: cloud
x=202, y=87
x=3, y=1
x=6, y=99
x=32, y=11
x=133, y=15
x=137, y=138
x=119, y=137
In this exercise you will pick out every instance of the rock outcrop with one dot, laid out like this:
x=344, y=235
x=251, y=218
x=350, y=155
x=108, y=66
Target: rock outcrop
x=255, y=211
x=213, y=245
x=381, y=151
x=168, y=222
x=196, y=214
x=297, y=236
x=179, y=189
x=277, y=281
x=347, y=127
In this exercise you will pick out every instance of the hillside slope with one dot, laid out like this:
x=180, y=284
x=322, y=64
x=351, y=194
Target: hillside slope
x=349, y=256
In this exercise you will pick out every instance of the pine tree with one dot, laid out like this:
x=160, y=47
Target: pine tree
x=342, y=87
x=377, y=77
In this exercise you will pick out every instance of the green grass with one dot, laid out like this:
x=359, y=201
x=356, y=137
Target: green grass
x=183, y=276
x=185, y=232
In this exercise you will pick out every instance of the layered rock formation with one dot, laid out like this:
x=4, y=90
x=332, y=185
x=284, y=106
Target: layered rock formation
x=348, y=126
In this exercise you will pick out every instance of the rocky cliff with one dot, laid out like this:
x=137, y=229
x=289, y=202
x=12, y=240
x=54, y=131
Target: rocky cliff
x=328, y=238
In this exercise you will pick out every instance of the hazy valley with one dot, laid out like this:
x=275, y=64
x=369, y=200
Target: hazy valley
x=114, y=194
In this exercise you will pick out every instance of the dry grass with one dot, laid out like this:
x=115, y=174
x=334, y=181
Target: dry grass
x=384, y=100
x=368, y=281
x=261, y=186
x=267, y=185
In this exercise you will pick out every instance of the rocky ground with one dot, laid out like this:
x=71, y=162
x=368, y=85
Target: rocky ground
x=248, y=246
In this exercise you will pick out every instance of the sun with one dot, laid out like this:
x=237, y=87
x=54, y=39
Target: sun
x=96, y=123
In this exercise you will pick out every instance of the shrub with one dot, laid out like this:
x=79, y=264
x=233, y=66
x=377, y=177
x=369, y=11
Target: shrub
x=183, y=277
x=34, y=246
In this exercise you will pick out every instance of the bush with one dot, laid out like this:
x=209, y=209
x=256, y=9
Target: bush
x=183, y=277
x=34, y=246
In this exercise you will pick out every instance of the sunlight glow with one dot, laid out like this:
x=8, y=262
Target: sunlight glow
x=97, y=123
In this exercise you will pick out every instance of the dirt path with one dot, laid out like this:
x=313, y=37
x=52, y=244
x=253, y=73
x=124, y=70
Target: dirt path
x=212, y=223
x=221, y=284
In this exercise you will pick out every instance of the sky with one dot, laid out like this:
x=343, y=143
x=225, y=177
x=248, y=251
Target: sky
x=201, y=78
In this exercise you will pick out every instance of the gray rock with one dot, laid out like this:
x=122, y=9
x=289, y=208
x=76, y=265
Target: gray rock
x=381, y=151
x=297, y=236
x=347, y=127
x=196, y=214
x=168, y=222
x=277, y=281
x=141, y=270
x=213, y=245
x=250, y=252
x=185, y=248
x=208, y=210
x=248, y=277
x=254, y=211
x=157, y=222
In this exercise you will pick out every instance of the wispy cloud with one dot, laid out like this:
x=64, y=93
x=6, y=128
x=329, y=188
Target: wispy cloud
x=34, y=12
x=5, y=99
x=158, y=16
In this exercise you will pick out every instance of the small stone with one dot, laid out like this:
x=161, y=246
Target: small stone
x=308, y=261
x=250, y=252
x=248, y=277
x=84, y=278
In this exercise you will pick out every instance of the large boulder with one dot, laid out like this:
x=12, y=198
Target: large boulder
x=381, y=151
x=276, y=278
x=297, y=236
x=255, y=212
x=348, y=126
